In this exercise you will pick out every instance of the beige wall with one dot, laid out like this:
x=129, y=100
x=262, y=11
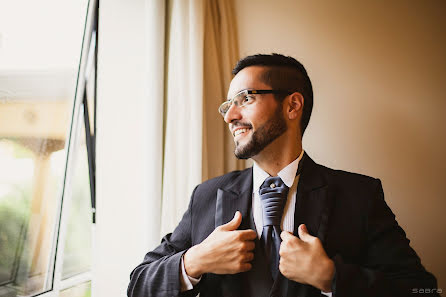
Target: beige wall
x=379, y=76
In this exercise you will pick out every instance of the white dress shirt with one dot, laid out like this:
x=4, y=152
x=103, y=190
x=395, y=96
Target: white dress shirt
x=288, y=176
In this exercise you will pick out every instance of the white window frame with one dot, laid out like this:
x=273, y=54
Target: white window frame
x=59, y=284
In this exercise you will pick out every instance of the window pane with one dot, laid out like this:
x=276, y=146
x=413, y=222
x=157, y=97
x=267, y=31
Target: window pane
x=82, y=290
x=77, y=252
x=39, y=55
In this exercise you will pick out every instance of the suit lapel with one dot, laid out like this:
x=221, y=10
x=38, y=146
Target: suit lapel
x=314, y=200
x=314, y=203
x=234, y=196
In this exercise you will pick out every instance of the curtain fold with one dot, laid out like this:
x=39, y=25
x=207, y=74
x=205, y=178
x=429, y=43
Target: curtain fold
x=220, y=55
x=184, y=105
x=201, y=49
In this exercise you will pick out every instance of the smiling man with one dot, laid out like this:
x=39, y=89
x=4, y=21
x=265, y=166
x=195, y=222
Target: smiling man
x=287, y=226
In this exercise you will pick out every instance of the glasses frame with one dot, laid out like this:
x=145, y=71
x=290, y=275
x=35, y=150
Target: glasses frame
x=222, y=109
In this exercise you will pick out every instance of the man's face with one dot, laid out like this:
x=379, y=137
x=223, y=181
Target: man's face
x=257, y=124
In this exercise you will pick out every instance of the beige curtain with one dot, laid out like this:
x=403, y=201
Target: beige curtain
x=201, y=49
x=220, y=56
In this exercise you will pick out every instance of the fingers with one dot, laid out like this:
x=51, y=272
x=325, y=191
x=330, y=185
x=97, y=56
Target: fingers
x=285, y=235
x=247, y=246
x=248, y=234
x=303, y=233
x=234, y=223
x=248, y=257
x=244, y=267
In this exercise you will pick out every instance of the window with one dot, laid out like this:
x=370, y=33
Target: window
x=47, y=131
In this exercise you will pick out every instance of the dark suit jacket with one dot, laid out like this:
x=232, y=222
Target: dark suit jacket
x=346, y=211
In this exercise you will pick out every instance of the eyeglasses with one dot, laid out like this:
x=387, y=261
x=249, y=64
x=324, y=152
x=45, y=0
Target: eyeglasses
x=244, y=98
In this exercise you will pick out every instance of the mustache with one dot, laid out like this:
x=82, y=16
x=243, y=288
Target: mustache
x=236, y=124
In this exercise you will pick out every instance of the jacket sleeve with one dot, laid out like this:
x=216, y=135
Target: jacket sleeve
x=390, y=267
x=159, y=274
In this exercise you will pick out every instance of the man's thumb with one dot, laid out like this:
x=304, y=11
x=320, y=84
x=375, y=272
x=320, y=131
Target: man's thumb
x=234, y=223
x=303, y=233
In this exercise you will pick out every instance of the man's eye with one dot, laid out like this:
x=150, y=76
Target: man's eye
x=248, y=99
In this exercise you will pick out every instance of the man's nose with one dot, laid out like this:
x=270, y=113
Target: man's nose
x=232, y=114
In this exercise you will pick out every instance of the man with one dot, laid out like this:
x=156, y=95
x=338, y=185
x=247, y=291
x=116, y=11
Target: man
x=287, y=226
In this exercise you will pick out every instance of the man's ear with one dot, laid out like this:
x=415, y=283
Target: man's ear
x=295, y=105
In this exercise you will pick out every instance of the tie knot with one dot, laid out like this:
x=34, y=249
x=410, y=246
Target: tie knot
x=273, y=194
x=272, y=182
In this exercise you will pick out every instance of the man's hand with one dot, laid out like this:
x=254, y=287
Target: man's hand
x=304, y=260
x=225, y=251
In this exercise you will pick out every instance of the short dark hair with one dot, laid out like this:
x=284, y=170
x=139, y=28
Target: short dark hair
x=283, y=73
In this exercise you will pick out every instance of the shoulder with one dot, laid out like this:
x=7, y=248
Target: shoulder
x=346, y=177
x=350, y=185
x=354, y=193
x=320, y=174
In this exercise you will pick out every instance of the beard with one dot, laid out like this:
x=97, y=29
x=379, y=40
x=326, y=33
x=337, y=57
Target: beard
x=263, y=136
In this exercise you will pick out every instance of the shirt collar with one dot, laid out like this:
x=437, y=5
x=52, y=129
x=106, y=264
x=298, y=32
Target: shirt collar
x=287, y=174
